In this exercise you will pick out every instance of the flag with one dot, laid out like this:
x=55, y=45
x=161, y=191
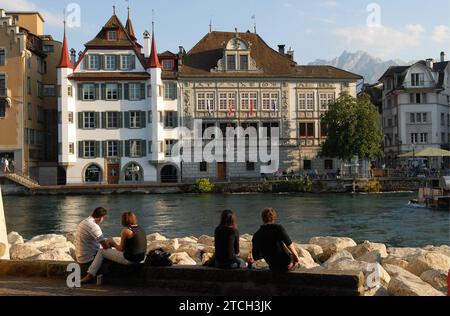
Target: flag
x=251, y=107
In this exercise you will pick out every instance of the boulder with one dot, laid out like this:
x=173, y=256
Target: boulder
x=194, y=250
x=366, y=247
x=371, y=257
x=437, y=279
x=428, y=261
x=206, y=257
x=332, y=245
x=71, y=237
x=404, y=253
x=247, y=237
x=404, y=283
x=395, y=262
x=182, y=258
x=186, y=240
x=306, y=260
x=155, y=237
x=315, y=250
x=14, y=238
x=445, y=250
x=307, y=264
x=66, y=246
x=170, y=245
x=49, y=239
x=245, y=248
x=341, y=255
x=368, y=269
x=23, y=252
x=2, y=249
x=206, y=240
x=55, y=255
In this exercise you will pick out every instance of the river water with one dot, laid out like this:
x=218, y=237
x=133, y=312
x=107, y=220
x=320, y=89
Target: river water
x=385, y=218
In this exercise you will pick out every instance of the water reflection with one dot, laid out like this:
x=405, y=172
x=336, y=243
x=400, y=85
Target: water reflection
x=378, y=218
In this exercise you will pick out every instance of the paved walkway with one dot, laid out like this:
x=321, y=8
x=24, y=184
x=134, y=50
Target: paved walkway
x=14, y=286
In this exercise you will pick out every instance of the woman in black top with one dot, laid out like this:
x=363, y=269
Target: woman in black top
x=226, y=241
x=131, y=250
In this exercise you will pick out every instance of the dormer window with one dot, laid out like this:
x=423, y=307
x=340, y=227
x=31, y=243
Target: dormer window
x=111, y=35
x=417, y=79
x=167, y=64
x=231, y=62
x=243, y=62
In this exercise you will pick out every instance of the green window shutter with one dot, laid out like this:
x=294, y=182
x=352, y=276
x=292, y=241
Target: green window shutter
x=102, y=62
x=120, y=93
x=103, y=88
x=97, y=149
x=142, y=91
x=126, y=91
x=117, y=62
x=104, y=120
x=175, y=119
x=80, y=120
x=143, y=119
x=97, y=91
x=86, y=62
x=144, y=148
x=127, y=120
x=80, y=149
x=120, y=119
x=120, y=142
x=133, y=61
x=104, y=149
x=80, y=91
x=127, y=148
x=97, y=119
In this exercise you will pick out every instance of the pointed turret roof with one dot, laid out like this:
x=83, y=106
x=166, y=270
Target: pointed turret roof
x=129, y=26
x=154, y=59
x=64, y=62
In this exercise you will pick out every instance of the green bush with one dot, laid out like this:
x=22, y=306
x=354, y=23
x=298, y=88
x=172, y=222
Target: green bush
x=373, y=186
x=204, y=186
x=304, y=185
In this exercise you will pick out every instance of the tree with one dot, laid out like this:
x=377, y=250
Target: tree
x=353, y=129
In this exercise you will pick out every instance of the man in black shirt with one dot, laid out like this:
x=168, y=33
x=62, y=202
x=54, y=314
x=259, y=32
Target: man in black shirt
x=272, y=243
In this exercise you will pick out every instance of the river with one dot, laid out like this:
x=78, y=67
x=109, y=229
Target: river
x=385, y=218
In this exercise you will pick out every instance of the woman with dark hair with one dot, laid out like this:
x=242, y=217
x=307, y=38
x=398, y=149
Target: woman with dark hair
x=226, y=242
x=131, y=250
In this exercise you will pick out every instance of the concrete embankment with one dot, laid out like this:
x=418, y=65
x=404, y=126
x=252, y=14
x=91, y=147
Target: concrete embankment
x=329, y=266
x=288, y=186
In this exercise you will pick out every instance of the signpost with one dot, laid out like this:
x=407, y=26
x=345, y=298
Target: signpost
x=4, y=248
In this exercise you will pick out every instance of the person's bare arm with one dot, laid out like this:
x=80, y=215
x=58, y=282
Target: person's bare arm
x=292, y=249
x=105, y=244
x=126, y=233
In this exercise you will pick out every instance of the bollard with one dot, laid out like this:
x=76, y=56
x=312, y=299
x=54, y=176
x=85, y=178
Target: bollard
x=3, y=233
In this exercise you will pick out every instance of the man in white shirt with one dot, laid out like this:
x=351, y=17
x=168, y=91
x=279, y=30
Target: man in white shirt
x=89, y=237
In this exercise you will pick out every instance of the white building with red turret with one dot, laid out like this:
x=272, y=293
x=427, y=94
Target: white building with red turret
x=117, y=109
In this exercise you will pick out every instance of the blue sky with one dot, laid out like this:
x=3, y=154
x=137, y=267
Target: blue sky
x=408, y=30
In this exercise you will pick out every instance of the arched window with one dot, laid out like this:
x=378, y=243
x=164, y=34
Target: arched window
x=93, y=174
x=133, y=172
x=169, y=174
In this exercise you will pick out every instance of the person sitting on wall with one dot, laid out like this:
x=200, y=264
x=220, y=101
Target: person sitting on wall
x=132, y=248
x=272, y=243
x=89, y=237
x=226, y=242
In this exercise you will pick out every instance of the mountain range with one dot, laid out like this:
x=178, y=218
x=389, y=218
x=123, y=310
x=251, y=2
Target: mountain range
x=361, y=63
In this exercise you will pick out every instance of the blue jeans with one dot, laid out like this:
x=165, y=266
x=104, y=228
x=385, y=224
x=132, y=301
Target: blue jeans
x=238, y=263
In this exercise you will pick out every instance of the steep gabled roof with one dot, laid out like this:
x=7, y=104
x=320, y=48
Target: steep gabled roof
x=205, y=55
x=123, y=40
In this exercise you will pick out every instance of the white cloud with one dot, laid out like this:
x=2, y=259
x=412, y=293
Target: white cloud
x=441, y=34
x=328, y=4
x=381, y=41
x=26, y=5
x=308, y=31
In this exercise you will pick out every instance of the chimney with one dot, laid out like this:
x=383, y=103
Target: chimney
x=181, y=53
x=147, y=44
x=290, y=53
x=281, y=49
x=430, y=63
x=73, y=56
x=442, y=57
